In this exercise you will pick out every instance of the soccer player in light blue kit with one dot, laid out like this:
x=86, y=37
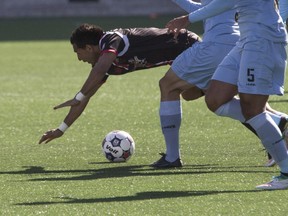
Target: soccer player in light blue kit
x=192, y=69
x=257, y=63
x=190, y=72
x=282, y=5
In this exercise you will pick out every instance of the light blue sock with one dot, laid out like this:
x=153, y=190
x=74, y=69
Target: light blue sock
x=233, y=110
x=271, y=137
x=276, y=117
x=278, y=113
x=170, y=117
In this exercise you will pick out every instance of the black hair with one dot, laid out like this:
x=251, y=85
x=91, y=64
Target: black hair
x=86, y=34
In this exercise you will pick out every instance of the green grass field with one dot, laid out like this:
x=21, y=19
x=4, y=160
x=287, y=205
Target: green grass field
x=223, y=162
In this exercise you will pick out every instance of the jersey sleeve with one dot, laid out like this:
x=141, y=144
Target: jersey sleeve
x=214, y=8
x=112, y=42
x=188, y=5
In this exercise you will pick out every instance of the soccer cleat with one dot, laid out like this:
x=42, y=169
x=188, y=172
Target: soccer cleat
x=270, y=163
x=277, y=183
x=163, y=163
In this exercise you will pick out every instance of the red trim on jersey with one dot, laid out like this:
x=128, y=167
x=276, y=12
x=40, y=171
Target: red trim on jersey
x=109, y=50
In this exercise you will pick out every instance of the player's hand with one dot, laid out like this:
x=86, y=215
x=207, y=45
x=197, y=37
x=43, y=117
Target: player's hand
x=174, y=26
x=50, y=135
x=72, y=102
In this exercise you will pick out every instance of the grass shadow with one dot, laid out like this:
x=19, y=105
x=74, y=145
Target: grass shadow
x=147, y=195
x=128, y=171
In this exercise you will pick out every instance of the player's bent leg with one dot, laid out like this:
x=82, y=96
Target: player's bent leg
x=220, y=99
x=218, y=94
x=282, y=121
x=192, y=94
x=252, y=104
x=170, y=113
x=230, y=109
x=171, y=86
x=253, y=107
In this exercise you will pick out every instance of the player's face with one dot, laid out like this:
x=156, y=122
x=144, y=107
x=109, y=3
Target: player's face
x=87, y=54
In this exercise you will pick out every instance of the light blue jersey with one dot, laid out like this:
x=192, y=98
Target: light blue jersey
x=198, y=63
x=221, y=28
x=256, y=18
x=283, y=7
x=257, y=63
x=259, y=18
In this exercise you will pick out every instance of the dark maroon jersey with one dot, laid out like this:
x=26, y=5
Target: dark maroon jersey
x=142, y=48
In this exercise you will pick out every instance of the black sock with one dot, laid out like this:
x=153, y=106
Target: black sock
x=269, y=156
x=282, y=123
x=285, y=174
x=250, y=128
x=253, y=131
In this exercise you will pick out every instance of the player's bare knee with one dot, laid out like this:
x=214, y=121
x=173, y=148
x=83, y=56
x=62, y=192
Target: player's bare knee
x=162, y=84
x=252, y=106
x=211, y=103
x=186, y=97
x=189, y=95
x=250, y=112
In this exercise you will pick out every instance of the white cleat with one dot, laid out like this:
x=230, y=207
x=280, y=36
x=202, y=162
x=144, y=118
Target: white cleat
x=277, y=183
x=270, y=163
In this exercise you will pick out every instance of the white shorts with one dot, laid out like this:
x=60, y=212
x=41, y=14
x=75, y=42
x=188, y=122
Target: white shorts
x=256, y=67
x=197, y=64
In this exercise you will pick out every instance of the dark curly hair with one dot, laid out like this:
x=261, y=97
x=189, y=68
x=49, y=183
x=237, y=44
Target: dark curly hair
x=86, y=34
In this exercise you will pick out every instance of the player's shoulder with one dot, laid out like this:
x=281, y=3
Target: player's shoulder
x=112, y=35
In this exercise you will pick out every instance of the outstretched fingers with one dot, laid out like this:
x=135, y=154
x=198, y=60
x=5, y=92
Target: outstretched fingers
x=172, y=28
x=50, y=135
x=175, y=25
x=46, y=137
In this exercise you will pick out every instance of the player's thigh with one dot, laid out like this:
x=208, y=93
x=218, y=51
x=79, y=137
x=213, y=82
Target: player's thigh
x=171, y=86
x=192, y=93
x=197, y=64
x=171, y=81
x=228, y=69
x=223, y=86
x=218, y=94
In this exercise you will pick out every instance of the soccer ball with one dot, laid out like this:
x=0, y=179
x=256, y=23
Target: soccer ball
x=118, y=146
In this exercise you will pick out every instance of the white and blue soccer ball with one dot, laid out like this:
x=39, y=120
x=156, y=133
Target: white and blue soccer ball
x=118, y=146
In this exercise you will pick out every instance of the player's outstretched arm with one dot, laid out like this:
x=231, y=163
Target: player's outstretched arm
x=97, y=74
x=74, y=112
x=80, y=101
x=212, y=9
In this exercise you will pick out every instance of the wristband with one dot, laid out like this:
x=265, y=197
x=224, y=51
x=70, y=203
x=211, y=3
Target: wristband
x=79, y=96
x=63, y=127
